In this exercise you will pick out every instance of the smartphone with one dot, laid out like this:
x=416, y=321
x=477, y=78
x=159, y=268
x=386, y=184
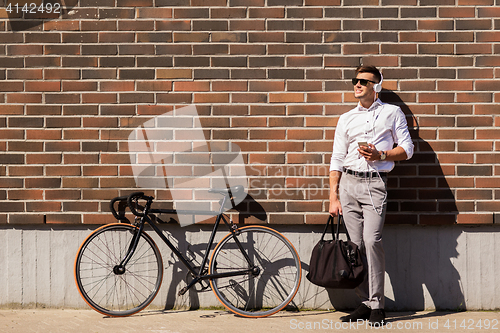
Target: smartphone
x=362, y=143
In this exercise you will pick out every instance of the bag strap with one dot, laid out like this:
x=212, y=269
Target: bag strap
x=335, y=235
x=330, y=220
x=341, y=219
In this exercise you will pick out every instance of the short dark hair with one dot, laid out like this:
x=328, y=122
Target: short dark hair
x=370, y=69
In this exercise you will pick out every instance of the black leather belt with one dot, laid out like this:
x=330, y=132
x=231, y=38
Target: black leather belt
x=365, y=174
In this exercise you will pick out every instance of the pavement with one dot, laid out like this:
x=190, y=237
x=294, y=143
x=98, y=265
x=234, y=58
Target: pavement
x=82, y=321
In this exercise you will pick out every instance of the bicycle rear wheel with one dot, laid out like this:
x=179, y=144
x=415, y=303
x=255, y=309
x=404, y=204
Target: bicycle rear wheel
x=103, y=286
x=270, y=287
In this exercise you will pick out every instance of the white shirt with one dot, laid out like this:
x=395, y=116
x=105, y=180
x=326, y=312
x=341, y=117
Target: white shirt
x=382, y=125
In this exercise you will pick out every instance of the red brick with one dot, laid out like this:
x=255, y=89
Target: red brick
x=304, y=85
x=288, y=97
x=418, y=36
x=65, y=25
x=486, y=109
x=42, y=86
x=462, y=36
x=25, y=170
x=25, y=194
x=117, y=86
x=23, y=98
x=192, y=86
x=12, y=110
x=24, y=49
x=488, y=11
x=210, y=98
x=79, y=86
x=474, y=97
x=450, y=109
x=476, y=2
x=453, y=12
x=248, y=122
x=487, y=61
x=97, y=218
x=361, y=49
x=156, y=85
x=455, y=85
x=25, y=218
x=487, y=36
x=475, y=146
x=45, y=158
x=229, y=86
x=62, y=194
x=286, y=146
x=486, y=73
x=436, y=97
x=28, y=74
x=267, y=134
x=324, y=97
x=77, y=134
x=471, y=218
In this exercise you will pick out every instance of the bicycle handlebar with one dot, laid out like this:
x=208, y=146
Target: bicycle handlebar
x=113, y=210
x=131, y=205
x=128, y=199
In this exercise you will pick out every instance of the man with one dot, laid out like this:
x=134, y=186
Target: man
x=363, y=153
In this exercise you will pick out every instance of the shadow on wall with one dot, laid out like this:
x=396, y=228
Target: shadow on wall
x=418, y=190
x=420, y=274
x=419, y=267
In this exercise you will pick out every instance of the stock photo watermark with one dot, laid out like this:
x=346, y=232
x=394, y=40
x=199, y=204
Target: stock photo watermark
x=170, y=152
x=439, y=325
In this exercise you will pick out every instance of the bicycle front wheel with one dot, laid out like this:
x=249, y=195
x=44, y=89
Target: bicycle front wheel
x=107, y=288
x=275, y=276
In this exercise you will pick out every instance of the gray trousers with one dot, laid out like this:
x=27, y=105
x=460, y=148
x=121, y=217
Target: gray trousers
x=358, y=197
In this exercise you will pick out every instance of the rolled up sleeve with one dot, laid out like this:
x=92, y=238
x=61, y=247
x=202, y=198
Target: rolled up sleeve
x=339, y=148
x=402, y=134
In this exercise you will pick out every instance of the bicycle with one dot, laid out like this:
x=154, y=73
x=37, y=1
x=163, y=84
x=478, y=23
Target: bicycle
x=254, y=271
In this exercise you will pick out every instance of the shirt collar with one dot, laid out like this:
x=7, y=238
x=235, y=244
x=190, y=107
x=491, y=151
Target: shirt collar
x=372, y=107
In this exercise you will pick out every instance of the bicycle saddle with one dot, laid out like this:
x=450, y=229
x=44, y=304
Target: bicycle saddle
x=235, y=190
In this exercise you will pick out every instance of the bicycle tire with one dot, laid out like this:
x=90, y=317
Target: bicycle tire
x=266, y=293
x=117, y=295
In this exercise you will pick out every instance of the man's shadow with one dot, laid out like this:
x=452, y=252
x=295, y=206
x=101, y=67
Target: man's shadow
x=418, y=259
x=418, y=192
x=422, y=257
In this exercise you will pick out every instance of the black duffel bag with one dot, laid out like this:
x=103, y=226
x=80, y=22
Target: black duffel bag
x=336, y=263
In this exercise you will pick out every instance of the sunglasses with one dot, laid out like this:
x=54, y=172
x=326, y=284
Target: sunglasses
x=362, y=81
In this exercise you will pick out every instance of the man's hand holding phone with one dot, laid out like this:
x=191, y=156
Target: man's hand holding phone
x=368, y=151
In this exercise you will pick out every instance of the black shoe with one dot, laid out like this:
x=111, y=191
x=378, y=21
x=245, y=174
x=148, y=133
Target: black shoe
x=377, y=317
x=362, y=312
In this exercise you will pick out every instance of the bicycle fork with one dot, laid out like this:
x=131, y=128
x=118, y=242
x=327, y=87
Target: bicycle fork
x=120, y=269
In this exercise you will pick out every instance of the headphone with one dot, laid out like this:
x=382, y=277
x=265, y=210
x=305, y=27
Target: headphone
x=378, y=86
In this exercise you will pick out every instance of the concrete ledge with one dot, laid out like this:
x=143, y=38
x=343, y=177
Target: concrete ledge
x=428, y=267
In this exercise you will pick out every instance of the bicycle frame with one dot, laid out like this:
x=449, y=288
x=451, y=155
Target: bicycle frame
x=198, y=276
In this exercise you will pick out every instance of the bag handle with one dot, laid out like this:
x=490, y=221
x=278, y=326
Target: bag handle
x=335, y=236
x=330, y=218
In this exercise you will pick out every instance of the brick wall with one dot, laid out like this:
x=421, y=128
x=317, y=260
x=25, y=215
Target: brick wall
x=271, y=76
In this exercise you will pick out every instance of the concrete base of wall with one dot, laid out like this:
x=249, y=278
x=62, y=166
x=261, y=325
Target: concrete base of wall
x=428, y=267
